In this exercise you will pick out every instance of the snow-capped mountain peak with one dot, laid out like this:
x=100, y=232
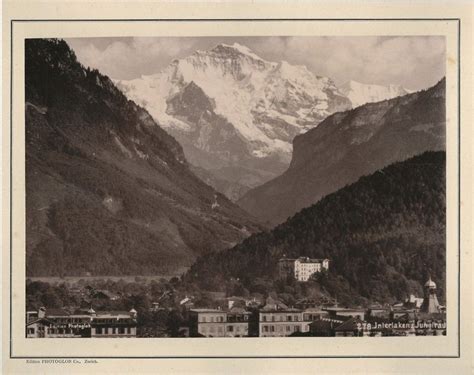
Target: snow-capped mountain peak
x=236, y=47
x=258, y=107
x=248, y=91
x=361, y=93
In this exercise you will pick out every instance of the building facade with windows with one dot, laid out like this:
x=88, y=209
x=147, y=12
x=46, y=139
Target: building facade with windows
x=278, y=320
x=280, y=323
x=207, y=322
x=116, y=324
x=56, y=323
x=312, y=314
x=301, y=268
x=219, y=323
x=237, y=322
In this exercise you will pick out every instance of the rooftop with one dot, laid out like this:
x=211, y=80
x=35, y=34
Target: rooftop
x=314, y=310
x=207, y=310
x=303, y=260
x=105, y=314
x=349, y=325
x=44, y=320
x=281, y=310
x=238, y=310
x=310, y=260
x=57, y=312
x=430, y=284
x=338, y=309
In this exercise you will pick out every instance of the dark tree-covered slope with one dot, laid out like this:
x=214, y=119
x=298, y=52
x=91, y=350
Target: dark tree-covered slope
x=351, y=144
x=382, y=234
x=108, y=191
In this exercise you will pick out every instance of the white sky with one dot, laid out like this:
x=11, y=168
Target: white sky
x=415, y=62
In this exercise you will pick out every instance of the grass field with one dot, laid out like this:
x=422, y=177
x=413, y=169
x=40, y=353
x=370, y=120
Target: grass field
x=76, y=279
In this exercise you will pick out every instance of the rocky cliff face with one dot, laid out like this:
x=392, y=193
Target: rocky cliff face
x=109, y=192
x=234, y=113
x=348, y=145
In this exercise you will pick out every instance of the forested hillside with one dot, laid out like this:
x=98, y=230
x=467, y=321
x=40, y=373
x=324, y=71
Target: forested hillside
x=108, y=191
x=351, y=144
x=383, y=235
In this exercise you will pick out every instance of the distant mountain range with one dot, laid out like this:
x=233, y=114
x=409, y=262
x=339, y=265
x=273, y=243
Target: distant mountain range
x=234, y=113
x=382, y=234
x=360, y=93
x=348, y=145
x=108, y=191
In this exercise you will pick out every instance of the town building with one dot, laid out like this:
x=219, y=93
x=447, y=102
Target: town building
x=301, y=268
x=352, y=327
x=430, y=303
x=307, y=303
x=207, y=322
x=59, y=323
x=116, y=324
x=235, y=301
x=400, y=312
x=56, y=323
x=278, y=320
x=187, y=302
x=237, y=322
x=38, y=328
x=323, y=328
x=377, y=311
x=315, y=313
x=413, y=302
x=219, y=323
x=342, y=312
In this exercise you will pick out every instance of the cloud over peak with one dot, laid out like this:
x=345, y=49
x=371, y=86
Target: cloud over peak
x=414, y=62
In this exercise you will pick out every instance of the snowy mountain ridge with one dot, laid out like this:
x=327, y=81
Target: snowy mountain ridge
x=248, y=91
x=236, y=114
x=361, y=93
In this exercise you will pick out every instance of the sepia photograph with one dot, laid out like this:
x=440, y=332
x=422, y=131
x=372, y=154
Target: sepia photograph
x=220, y=187
x=236, y=188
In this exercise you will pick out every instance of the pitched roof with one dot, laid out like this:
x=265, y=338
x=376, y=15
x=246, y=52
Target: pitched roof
x=349, y=325
x=44, y=320
x=272, y=305
x=322, y=325
x=207, y=310
x=238, y=310
x=310, y=260
x=344, y=309
x=100, y=314
x=57, y=312
x=315, y=310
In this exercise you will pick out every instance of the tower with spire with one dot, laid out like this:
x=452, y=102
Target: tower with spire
x=430, y=303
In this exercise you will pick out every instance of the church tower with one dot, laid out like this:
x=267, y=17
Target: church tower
x=430, y=303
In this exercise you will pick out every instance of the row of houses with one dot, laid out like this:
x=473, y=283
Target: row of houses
x=277, y=320
x=416, y=316
x=250, y=318
x=58, y=323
